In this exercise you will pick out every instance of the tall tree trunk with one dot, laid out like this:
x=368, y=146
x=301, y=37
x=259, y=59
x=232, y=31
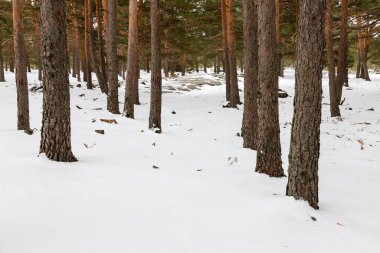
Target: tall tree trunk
x=278, y=42
x=231, y=40
x=2, y=76
x=56, y=127
x=94, y=59
x=366, y=45
x=269, y=147
x=156, y=79
x=226, y=67
x=342, y=54
x=334, y=105
x=358, y=61
x=132, y=78
x=101, y=42
x=113, y=83
x=76, y=43
x=21, y=67
x=87, y=44
x=305, y=137
x=250, y=116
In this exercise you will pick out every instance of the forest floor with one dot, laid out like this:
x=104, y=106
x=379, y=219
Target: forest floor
x=203, y=194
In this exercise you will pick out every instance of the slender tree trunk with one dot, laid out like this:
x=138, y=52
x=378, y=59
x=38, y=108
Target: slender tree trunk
x=342, y=54
x=269, y=148
x=87, y=44
x=156, y=79
x=56, y=127
x=358, y=61
x=231, y=40
x=366, y=45
x=94, y=59
x=226, y=67
x=250, y=115
x=12, y=63
x=305, y=138
x=132, y=78
x=113, y=83
x=278, y=42
x=196, y=64
x=77, y=50
x=101, y=42
x=21, y=67
x=2, y=75
x=334, y=105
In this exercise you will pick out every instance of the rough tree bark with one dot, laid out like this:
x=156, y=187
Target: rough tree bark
x=132, y=78
x=21, y=67
x=113, y=84
x=156, y=78
x=56, y=128
x=305, y=137
x=231, y=41
x=269, y=148
x=250, y=116
x=333, y=89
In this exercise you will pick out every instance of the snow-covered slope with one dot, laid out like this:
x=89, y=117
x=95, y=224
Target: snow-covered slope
x=205, y=195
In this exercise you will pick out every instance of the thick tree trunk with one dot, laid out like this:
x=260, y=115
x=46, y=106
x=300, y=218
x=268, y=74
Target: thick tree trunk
x=156, y=79
x=113, y=83
x=231, y=40
x=21, y=67
x=56, y=127
x=250, y=115
x=333, y=89
x=226, y=67
x=87, y=44
x=269, y=148
x=305, y=137
x=342, y=54
x=132, y=78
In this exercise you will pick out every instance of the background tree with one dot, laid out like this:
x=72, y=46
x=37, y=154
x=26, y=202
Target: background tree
x=131, y=87
x=113, y=83
x=156, y=79
x=250, y=115
x=269, y=147
x=21, y=67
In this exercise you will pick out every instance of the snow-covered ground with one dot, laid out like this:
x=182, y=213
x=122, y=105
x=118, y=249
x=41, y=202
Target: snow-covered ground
x=205, y=195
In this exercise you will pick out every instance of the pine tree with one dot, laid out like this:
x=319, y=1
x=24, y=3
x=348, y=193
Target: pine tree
x=333, y=88
x=305, y=137
x=132, y=72
x=156, y=79
x=113, y=84
x=21, y=67
x=269, y=147
x=56, y=126
x=250, y=116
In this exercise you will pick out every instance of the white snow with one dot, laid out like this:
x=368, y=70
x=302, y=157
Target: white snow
x=205, y=196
